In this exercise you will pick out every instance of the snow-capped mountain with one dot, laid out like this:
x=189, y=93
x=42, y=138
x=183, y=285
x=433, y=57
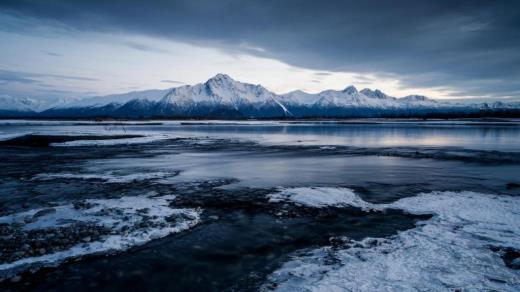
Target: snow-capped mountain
x=223, y=97
x=151, y=95
x=221, y=93
x=23, y=104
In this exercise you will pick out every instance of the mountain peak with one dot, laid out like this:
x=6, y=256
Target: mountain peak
x=221, y=78
x=350, y=89
x=416, y=98
x=374, y=93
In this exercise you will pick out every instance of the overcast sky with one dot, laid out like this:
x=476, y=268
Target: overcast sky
x=443, y=49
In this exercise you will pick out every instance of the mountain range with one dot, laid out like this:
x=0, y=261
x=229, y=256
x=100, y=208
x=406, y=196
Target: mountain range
x=223, y=97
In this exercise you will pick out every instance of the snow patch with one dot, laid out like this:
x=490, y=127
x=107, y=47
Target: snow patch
x=124, y=216
x=320, y=197
x=9, y=136
x=449, y=252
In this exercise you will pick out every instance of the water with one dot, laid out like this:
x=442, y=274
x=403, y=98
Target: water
x=227, y=171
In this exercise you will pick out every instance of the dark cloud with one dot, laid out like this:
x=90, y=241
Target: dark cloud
x=53, y=54
x=322, y=74
x=172, y=81
x=144, y=47
x=27, y=77
x=10, y=77
x=470, y=45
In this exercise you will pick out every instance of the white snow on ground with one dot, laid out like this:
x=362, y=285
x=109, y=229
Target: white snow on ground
x=9, y=136
x=109, y=177
x=111, y=142
x=448, y=252
x=320, y=197
x=115, y=214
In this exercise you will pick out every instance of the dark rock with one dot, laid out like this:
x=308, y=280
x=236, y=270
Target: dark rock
x=44, y=212
x=28, y=219
x=82, y=205
x=511, y=186
x=515, y=264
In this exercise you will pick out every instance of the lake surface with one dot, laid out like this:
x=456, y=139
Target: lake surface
x=260, y=205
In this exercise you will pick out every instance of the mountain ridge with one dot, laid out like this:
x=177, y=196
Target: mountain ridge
x=222, y=97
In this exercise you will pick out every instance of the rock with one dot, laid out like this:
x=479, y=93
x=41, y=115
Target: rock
x=42, y=251
x=26, y=247
x=44, y=212
x=82, y=205
x=28, y=219
x=16, y=279
x=214, y=217
x=187, y=216
x=86, y=239
x=515, y=263
x=17, y=225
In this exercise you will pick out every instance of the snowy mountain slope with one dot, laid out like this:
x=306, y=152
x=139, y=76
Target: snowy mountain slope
x=152, y=95
x=22, y=104
x=222, y=92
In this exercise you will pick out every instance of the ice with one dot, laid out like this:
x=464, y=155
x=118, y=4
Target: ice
x=320, y=197
x=9, y=136
x=111, y=142
x=109, y=177
x=451, y=251
x=116, y=214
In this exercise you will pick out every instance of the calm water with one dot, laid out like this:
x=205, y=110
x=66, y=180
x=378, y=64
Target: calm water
x=227, y=170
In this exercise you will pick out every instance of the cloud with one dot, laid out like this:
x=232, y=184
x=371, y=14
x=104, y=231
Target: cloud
x=322, y=73
x=10, y=77
x=53, y=54
x=37, y=84
x=172, y=81
x=28, y=77
x=144, y=48
x=470, y=46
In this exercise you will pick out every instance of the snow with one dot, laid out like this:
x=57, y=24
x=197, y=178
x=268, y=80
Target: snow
x=9, y=136
x=320, y=197
x=449, y=252
x=111, y=213
x=109, y=177
x=219, y=91
x=149, y=95
x=26, y=104
x=23, y=104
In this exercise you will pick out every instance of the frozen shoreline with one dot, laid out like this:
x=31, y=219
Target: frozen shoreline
x=449, y=251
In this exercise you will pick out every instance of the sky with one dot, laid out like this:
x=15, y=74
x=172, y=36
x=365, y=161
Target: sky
x=441, y=49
